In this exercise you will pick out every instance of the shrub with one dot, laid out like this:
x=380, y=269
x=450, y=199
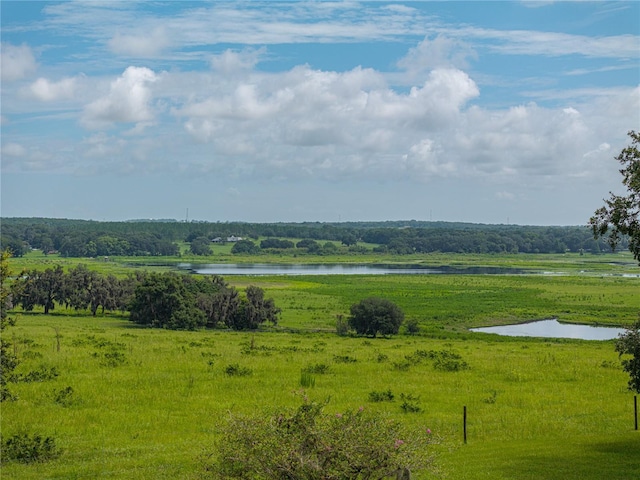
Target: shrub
x=25, y=448
x=317, y=368
x=307, y=444
x=412, y=326
x=410, y=403
x=381, y=396
x=344, y=359
x=41, y=374
x=64, y=397
x=342, y=326
x=235, y=370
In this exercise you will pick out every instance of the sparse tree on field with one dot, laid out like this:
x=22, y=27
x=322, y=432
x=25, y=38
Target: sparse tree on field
x=374, y=315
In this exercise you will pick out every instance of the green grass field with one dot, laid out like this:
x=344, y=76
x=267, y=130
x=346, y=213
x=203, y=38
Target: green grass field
x=148, y=404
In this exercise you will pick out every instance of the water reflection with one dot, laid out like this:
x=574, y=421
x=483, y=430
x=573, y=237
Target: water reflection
x=338, y=269
x=554, y=329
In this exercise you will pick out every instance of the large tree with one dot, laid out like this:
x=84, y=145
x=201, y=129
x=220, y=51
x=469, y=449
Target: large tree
x=621, y=213
x=374, y=315
x=163, y=300
x=621, y=216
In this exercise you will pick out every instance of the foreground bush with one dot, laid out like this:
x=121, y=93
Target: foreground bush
x=309, y=444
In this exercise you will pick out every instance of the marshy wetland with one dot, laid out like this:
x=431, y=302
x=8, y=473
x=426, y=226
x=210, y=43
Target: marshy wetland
x=148, y=403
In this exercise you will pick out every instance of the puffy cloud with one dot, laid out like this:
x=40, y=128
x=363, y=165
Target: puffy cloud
x=230, y=62
x=140, y=45
x=47, y=91
x=440, y=52
x=127, y=101
x=13, y=150
x=17, y=62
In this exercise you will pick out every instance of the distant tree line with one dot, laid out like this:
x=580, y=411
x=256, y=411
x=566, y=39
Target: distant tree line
x=81, y=238
x=167, y=300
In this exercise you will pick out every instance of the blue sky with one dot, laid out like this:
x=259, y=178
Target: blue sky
x=484, y=112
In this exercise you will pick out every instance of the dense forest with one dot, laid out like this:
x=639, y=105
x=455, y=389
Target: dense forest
x=85, y=238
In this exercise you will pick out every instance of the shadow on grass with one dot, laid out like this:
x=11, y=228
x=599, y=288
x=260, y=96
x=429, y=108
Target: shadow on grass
x=610, y=460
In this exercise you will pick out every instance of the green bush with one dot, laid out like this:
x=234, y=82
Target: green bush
x=309, y=444
x=235, y=370
x=25, y=448
x=386, y=396
x=317, y=368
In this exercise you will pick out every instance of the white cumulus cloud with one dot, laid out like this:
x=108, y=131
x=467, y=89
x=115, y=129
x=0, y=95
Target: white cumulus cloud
x=128, y=100
x=48, y=91
x=17, y=62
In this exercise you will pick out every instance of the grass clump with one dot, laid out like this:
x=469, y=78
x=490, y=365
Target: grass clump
x=307, y=380
x=317, y=368
x=236, y=370
x=384, y=396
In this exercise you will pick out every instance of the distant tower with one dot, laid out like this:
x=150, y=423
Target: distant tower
x=186, y=220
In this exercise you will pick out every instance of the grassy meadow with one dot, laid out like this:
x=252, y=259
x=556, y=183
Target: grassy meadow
x=137, y=403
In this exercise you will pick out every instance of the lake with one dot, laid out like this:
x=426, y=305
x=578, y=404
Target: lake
x=225, y=269
x=554, y=329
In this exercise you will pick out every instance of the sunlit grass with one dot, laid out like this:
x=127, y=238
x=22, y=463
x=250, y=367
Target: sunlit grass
x=153, y=415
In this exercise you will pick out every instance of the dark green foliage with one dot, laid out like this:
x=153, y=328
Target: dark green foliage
x=344, y=359
x=25, y=448
x=276, y=243
x=253, y=310
x=64, y=397
x=629, y=344
x=201, y=246
x=41, y=374
x=620, y=217
x=235, y=370
x=309, y=444
x=412, y=326
x=317, y=368
x=163, y=300
x=385, y=396
x=8, y=361
x=410, y=403
x=80, y=238
x=244, y=246
x=373, y=316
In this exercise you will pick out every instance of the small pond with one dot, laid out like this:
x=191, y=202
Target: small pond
x=554, y=329
x=338, y=269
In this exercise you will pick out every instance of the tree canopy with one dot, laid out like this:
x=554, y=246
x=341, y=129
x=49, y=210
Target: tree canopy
x=374, y=315
x=629, y=344
x=621, y=213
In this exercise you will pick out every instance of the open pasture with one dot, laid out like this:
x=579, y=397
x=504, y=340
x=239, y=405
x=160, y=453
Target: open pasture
x=147, y=403
x=136, y=403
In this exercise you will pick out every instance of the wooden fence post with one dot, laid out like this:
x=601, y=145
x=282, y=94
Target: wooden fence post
x=464, y=421
x=635, y=409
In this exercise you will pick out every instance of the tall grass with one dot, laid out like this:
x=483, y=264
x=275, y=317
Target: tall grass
x=154, y=414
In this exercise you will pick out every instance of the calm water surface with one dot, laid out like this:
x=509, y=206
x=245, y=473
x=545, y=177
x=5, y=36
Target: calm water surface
x=337, y=269
x=554, y=329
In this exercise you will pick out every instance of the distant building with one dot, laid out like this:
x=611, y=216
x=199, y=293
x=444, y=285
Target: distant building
x=233, y=238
